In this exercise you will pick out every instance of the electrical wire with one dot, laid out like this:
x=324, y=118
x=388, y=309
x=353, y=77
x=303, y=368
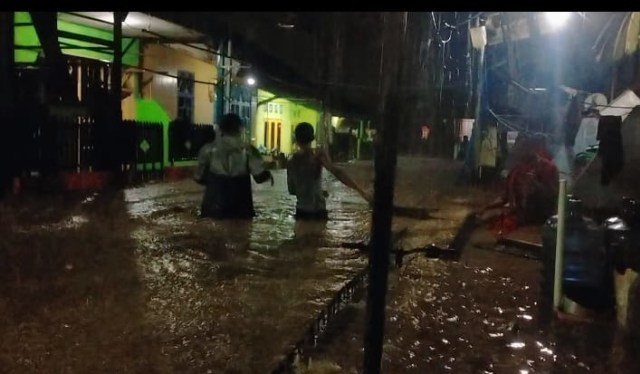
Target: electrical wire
x=214, y=52
x=435, y=24
x=469, y=20
x=514, y=127
x=165, y=74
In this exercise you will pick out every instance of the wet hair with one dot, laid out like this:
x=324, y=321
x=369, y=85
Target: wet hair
x=230, y=123
x=304, y=133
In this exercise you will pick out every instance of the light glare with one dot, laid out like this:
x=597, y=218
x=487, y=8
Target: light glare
x=557, y=19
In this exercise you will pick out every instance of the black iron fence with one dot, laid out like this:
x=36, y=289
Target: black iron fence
x=49, y=145
x=186, y=139
x=144, y=149
x=49, y=133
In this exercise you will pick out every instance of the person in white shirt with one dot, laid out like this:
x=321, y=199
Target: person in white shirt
x=304, y=175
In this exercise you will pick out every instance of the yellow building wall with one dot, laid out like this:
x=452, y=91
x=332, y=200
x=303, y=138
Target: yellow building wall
x=129, y=108
x=291, y=114
x=164, y=89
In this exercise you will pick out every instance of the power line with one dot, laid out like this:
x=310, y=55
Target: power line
x=469, y=19
x=166, y=74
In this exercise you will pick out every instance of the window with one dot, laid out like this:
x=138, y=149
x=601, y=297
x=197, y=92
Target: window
x=185, y=95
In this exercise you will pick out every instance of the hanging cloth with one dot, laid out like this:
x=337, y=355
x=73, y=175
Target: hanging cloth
x=610, y=149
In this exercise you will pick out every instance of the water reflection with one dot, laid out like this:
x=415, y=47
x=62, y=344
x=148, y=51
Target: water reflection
x=230, y=296
x=496, y=327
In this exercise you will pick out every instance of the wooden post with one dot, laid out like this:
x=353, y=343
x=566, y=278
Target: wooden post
x=385, y=163
x=7, y=59
x=116, y=74
x=114, y=160
x=7, y=87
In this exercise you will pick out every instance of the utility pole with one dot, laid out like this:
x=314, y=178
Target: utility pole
x=227, y=79
x=223, y=88
x=392, y=77
x=479, y=40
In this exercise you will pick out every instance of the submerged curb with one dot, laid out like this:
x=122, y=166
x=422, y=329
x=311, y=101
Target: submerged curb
x=303, y=348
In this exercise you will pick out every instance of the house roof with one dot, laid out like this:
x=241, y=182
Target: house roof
x=136, y=25
x=295, y=52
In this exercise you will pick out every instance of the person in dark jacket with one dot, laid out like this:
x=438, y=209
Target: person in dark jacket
x=225, y=168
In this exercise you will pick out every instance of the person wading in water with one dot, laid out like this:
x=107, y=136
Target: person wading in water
x=225, y=167
x=304, y=176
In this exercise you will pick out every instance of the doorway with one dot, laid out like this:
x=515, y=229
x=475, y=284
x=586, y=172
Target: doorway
x=272, y=134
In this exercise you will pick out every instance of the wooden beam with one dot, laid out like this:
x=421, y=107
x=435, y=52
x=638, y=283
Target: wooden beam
x=46, y=27
x=86, y=38
x=8, y=139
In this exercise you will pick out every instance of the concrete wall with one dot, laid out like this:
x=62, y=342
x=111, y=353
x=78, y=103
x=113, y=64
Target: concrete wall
x=164, y=89
x=286, y=112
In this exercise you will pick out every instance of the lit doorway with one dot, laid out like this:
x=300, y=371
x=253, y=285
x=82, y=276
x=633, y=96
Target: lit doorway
x=272, y=134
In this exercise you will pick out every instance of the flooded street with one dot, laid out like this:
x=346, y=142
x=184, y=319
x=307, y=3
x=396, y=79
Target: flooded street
x=479, y=315
x=135, y=282
x=230, y=296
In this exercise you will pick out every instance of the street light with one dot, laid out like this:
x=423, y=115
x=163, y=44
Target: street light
x=251, y=81
x=557, y=19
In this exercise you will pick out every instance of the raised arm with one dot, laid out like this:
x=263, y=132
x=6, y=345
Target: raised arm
x=341, y=175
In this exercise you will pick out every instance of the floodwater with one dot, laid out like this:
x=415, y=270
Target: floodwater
x=135, y=282
x=232, y=296
x=479, y=315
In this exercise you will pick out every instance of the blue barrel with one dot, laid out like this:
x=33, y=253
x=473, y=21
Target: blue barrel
x=587, y=277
